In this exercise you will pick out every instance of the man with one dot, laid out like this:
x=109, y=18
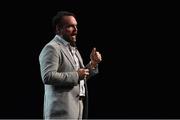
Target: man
x=63, y=72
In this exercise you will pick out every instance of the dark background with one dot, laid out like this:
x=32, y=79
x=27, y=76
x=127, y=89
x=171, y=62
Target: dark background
x=138, y=75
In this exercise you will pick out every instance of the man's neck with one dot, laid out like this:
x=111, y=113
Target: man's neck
x=73, y=44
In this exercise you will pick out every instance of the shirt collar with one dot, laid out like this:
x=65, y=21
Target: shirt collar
x=62, y=40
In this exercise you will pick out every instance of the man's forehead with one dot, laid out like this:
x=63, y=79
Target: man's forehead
x=69, y=20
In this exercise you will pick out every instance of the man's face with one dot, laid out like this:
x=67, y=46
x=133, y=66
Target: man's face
x=69, y=30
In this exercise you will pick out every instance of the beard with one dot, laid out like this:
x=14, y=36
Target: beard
x=70, y=39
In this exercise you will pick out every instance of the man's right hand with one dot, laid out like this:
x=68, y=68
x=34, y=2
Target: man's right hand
x=83, y=73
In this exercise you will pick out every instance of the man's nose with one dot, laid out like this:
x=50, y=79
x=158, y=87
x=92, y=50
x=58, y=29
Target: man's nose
x=75, y=28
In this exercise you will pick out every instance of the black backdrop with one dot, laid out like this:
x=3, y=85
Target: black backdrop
x=138, y=75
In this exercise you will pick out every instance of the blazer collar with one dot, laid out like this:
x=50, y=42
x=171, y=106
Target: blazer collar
x=65, y=48
x=59, y=39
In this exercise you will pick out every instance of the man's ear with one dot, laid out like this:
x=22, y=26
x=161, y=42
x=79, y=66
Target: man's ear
x=57, y=29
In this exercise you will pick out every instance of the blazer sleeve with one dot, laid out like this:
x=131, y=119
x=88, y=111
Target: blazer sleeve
x=49, y=63
x=92, y=72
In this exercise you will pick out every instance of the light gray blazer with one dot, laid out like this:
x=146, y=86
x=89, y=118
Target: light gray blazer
x=61, y=97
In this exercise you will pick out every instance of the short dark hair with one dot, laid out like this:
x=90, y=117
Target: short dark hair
x=57, y=19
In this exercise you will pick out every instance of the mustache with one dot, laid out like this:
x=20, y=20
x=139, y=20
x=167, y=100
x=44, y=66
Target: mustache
x=73, y=34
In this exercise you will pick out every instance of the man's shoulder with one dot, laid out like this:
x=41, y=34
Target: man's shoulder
x=53, y=44
x=50, y=48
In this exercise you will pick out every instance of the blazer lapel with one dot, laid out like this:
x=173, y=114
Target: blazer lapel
x=80, y=59
x=65, y=50
x=68, y=55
